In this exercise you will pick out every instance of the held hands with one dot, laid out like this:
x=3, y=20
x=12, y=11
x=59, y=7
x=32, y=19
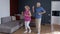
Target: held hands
x=27, y=15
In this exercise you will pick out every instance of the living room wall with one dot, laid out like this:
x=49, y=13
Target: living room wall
x=4, y=8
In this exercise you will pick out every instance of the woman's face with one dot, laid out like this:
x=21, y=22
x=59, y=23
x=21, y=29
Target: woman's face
x=38, y=4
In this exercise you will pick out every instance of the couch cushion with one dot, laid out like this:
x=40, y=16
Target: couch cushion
x=13, y=18
x=5, y=19
x=9, y=25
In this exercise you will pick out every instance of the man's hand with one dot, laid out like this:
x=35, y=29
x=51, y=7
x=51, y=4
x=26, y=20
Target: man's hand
x=42, y=13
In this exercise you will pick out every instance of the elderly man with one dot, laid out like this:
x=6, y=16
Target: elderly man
x=38, y=11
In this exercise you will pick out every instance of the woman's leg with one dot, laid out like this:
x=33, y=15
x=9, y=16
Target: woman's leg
x=28, y=22
x=26, y=29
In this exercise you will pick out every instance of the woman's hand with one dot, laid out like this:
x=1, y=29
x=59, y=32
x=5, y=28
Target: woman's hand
x=26, y=15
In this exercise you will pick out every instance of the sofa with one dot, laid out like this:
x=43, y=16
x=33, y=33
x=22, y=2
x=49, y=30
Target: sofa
x=10, y=24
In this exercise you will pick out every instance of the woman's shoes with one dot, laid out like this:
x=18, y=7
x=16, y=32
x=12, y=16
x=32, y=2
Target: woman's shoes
x=25, y=31
x=29, y=31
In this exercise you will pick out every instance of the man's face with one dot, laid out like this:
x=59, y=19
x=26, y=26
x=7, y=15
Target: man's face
x=38, y=4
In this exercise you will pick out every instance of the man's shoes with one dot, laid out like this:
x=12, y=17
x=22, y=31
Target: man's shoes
x=38, y=33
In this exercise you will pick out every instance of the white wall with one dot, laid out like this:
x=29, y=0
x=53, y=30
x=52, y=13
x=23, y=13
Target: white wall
x=4, y=8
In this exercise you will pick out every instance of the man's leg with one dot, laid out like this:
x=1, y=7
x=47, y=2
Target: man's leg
x=38, y=25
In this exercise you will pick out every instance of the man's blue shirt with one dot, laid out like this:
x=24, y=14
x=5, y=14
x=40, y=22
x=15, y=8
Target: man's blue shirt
x=37, y=11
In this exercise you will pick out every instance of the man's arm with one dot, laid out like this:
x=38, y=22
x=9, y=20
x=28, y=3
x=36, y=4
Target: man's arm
x=43, y=12
x=33, y=9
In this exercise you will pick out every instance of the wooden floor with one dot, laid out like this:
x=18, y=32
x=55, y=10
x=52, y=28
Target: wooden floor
x=45, y=29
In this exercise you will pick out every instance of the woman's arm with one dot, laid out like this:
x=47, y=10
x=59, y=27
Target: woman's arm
x=30, y=13
x=22, y=13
